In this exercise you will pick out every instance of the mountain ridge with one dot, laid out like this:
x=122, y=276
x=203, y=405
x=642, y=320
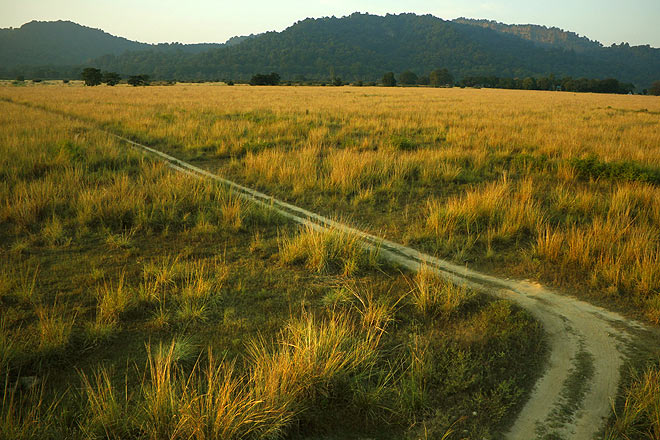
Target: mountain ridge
x=363, y=46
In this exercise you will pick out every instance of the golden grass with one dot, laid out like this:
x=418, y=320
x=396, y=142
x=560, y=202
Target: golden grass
x=494, y=170
x=215, y=401
x=169, y=256
x=639, y=416
x=327, y=251
x=435, y=296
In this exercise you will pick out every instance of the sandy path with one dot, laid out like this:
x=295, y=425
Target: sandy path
x=587, y=343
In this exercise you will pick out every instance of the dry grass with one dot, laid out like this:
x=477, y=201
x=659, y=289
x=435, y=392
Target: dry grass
x=327, y=251
x=112, y=301
x=216, y=401
x=435, y=296
x=109, y=250
x=640, y=415
x=554, y=183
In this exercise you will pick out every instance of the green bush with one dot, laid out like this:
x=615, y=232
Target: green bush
x=592, y=167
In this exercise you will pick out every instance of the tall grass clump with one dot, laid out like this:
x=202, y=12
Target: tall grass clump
x=327, y=251
x=434, y=296
x=112, y=301
x=218, y=404
x=8, y=347
x=312, y=359
x=54, y=329
x=26, y=414
x=107, y=410
x=639, y=416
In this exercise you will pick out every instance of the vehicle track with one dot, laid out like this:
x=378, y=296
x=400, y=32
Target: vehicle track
x=588, y=344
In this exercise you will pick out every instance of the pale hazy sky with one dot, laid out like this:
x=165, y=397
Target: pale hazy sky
x=192, y=21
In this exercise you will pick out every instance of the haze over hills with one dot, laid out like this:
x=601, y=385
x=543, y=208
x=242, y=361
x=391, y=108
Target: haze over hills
x=356, y=47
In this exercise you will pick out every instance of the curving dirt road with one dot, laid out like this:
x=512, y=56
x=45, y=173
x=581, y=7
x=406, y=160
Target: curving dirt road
x=588, y=344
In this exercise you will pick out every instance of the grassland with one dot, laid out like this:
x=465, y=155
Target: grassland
x=554, y=186
x=137, y=302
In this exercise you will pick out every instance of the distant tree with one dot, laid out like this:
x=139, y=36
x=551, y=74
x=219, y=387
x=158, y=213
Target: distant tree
x=91, y=76
x=441, y=77
x=20, y=78
x=229, y=82
x=609, y=85
x=138, y=80
x=272, y=79
x=389, y=80
x=408, y=78
x=336, y=81
x=529, y=83
x=506, y=83
x=544, y=83
x=423, y=80
x=111, y=78
x=654, y=89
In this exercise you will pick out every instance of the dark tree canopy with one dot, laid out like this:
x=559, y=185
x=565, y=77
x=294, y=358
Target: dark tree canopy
x=138, y=80
x=441, y=77
x=111, y=78
x=91, y=76
x=389, y=80
x=356, y=47
x=655, y=89
x=567, y=84
x=529, y=83
x=408, y=78
x=272, y=79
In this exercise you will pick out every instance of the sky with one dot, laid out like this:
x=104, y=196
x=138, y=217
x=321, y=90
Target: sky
x=195, y=21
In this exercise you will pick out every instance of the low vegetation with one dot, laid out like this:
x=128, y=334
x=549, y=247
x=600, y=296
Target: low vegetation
x=556, y=186
x=639, y=415
x=138, y=302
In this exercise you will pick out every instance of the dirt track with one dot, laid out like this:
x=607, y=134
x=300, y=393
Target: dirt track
x=587, y=343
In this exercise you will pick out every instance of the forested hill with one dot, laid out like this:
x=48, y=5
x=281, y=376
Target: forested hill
x=59, y=43
x=63, y=43
x=542, y=35
x=363, y=47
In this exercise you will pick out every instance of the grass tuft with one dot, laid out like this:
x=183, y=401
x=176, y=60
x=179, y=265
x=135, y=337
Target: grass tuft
x=434, y=296
x=327, y=251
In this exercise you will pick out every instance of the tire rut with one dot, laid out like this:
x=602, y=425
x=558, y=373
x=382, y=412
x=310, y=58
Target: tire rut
x=576, y=330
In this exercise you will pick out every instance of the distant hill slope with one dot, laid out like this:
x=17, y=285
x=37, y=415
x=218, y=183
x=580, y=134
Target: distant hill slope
x=64, y=43
x=59, y=43
x=542, y=35
x=363, y=46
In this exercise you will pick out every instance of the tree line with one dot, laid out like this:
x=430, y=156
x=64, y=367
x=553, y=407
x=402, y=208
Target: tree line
x=550, y=82
x=94, y=77
x=436, y=78
x=361, y=48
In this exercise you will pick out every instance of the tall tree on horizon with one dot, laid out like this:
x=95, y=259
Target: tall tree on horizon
x=91, y=76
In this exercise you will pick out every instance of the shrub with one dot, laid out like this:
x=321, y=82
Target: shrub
x=593, y=167
x=260, y=79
